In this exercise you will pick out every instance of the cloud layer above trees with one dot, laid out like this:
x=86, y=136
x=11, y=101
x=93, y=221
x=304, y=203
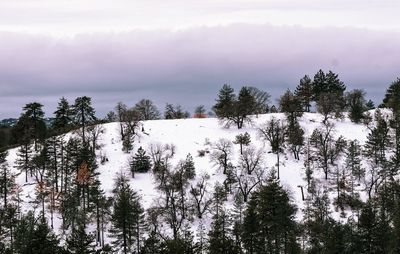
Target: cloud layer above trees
x=188, y=66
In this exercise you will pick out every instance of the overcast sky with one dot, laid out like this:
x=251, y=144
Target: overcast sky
x=184, y=51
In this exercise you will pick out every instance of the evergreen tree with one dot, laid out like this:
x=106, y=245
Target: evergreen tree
x=24, y=160
x=369, y=105
x=62, y=116
x=234, y=110
x=355, y=101
x=30, y=125
x=44, y=240
x=80, y=242
x=304, y=92
x=295, y=138
x=140, y=162
x=353, y=161
x=175, y=112
x=220, y=239
x=392, y=96
x=84, y=114
x=378, y=140
x=224, y=107
x=291, y=106
x=242, y=140
x=277, y=229
x=7, y=180
x=127, y=217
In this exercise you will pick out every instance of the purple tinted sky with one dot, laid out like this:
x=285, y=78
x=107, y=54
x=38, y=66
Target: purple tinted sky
x=44, y=60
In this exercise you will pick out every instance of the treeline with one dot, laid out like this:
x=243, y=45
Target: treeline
x=249, y=212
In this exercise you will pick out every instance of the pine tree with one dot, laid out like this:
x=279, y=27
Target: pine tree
x=220, y=239
x=353, y=162
x=224, y=107
x=126, y=218
x=271, y=208
x=24, y=160
x=355, y=101
x=175, y=112
x=246, y=105
x=378, y=140
x=7, y=180
x=140, y=162
x=242, y=140
x=62, y=116
x=291, y=106
x=83, y=113
x=30, y=125
x=392, y=96
x=320, y=85
x=304, y=92
x=295, y=138
x=234, y=110
x=44, y=240
x=80, y=242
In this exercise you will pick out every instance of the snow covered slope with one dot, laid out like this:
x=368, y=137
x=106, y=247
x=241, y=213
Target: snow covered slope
x=191, y=136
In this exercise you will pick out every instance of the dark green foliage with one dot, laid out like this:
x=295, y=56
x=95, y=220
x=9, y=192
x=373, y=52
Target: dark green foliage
x=127, y=217
x=295, y=138
x=30, y=125
x=24, y=160
x=140, y=162
x=327, y=83
x=234, y=110
x=84, y=114
x=175, y=112
x=353, y=159
x=62, y=117
x=7, y=180
x=269, y=225
x=242, y=140
x=220, y=238
x=369, y=105
x=80, y=242
x=328, y=92
x=392, y=96
x=224, y=107
x=378, y=140
x=246, y=104
x=32, y=236
x=291, y=106
x=5, y=137
x=304, y=92
x=355, y=101
x=330, y=105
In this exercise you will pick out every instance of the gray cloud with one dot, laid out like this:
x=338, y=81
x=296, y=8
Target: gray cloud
x=188, y=66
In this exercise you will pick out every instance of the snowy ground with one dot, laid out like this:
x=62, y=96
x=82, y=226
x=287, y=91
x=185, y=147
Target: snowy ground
x=190, y=136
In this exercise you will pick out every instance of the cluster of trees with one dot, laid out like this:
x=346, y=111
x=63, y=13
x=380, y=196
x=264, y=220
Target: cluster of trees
x=325, y=90
x=64, y=171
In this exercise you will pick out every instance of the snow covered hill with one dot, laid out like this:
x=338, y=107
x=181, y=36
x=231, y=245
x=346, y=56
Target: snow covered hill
x=191, y=136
